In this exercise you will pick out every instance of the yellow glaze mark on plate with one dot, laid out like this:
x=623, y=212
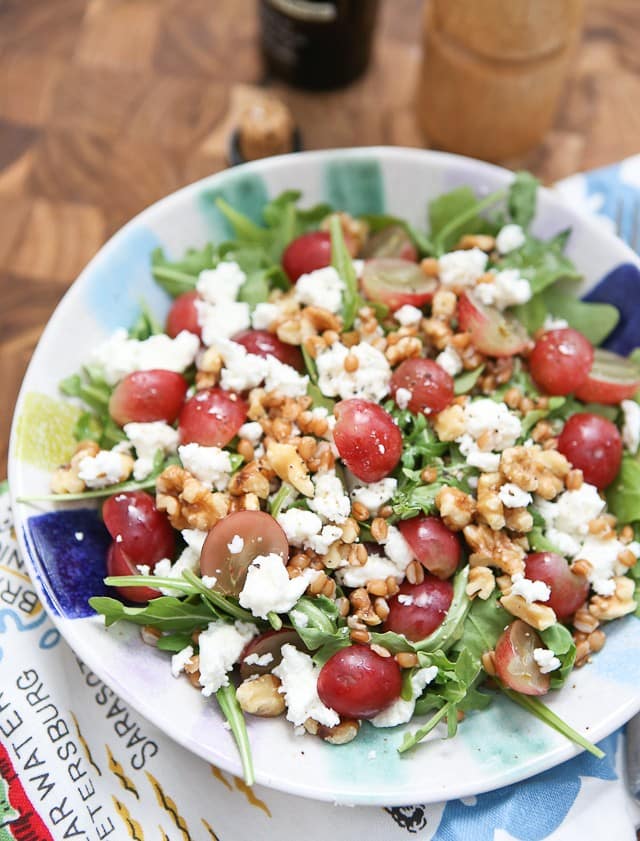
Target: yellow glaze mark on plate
x=45, y=431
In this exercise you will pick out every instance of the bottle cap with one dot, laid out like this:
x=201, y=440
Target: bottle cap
x=265, y=128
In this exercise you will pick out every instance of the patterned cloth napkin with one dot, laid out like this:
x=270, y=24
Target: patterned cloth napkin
x=78, y=763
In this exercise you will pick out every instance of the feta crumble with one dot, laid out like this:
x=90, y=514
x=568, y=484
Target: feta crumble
x=408, y=316
x=531, y=591
x=498, y=426
x=512, y=496
x=268, y=587
x=180, y=660
x=223, y=320
x=222, y=284
x=330, y=500
x=264, y=315
x=461, y=268
x=147, y=440
x=210, y=465
x=397, y=549
x=119, y=355
x=546, y=660
x=252, y=431
x=298, y=618
x=374, y=495
x=256, y=659
x=236, y=546
x=370, y=380
x=506, y=290
x=509, y=238
x=321, y=288
x=401, y=711
x=321, y=543
x=221, y=645
x=552, y=323
x=403, y=397
x=101, y=470
x=450, y=360
x=299, y=525
x=376, y=566
x=299, y=677
x=631, y=425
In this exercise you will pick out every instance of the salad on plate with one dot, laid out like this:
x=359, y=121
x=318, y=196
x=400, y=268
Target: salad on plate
x=367, y=473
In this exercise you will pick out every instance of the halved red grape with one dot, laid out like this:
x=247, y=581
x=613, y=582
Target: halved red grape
x=146, y=396
x=306, y=254
x=392, y=241
x=568, y=590
x=433, y=544
x=358, y=683
x=141, y=531
x=270, y=642
x=211, y=418
x=492, y=332
x=265, y=344
x=418, y=609
x=260, y=535
x=396, y=282
x=368, y=440
x=612, y=378
x=183, y=315
x=561, y=360
x=430, y=386
x=119, y=564
x=592, y=444
x=515, y=664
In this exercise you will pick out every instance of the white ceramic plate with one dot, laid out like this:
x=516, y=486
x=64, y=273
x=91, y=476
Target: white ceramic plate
x=493, y=748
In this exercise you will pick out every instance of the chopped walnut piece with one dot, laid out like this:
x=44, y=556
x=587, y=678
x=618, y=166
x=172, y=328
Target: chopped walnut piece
x=518, y=519
x=449, y=423
x=481, y=583
x=189, y=503
x=289, y=466
x=456, y=508
x=605, y=608
x=249, y=480
x=539, y=616
x=535, y=469
x=490, y=507
x=493, y=549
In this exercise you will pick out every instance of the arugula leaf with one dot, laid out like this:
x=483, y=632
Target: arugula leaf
x=380, y=221
x=541, y=262
x=558, y=638
x=166, y=613
x=310, y=364
x=255, y=289
x=451, y=629
x=174, y=642
x=146, y=325
x=395, y=643
x=230, y=708
x=179, y=276
x=593, y=320
x=539, y=542
x=463, y=383
x=485, y=622
x=623, y=495
x=343, y=264
x=521, y=202
x=456, y=213
x=244, y=228
x=284, y=497
x=319, y=400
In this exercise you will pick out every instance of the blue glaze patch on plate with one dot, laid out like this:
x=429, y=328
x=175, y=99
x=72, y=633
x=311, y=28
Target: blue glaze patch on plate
x=622, y=661
x=621, y=287
x=121, y=281
x=245, y=193
x=374, y=753
x=511, y=808
x=69, y=549
x=355, y=186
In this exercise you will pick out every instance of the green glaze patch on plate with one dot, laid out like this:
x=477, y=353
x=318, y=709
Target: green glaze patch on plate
x=245, y=193
x=356, y=186
x=45, y=431
x=375, y=755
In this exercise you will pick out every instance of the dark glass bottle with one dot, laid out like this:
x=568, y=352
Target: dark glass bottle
x=314, y=44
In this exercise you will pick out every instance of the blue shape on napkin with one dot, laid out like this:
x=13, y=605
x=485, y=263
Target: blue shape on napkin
x=529, y=810
x=69, y=550
x=621, y=287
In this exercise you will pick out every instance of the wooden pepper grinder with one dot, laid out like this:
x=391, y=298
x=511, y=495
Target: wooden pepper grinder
x=493, y=71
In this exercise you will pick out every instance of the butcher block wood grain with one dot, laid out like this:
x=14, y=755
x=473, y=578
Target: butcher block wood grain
x=107, y=105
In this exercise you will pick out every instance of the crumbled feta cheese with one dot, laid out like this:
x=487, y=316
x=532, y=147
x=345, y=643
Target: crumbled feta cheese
x=631, y=425
x=404, y=598
x=285, y=379
x=401, y=711
x=512, y=496
x=149, y=439
x=268, y=587
x=506, y=290
x=376, y=566
x=223, y=320
x=551, y=323
x=486, y=418
x=358, y=267
x=403, y=398
x=371, y=755
x=209, y=581
x=210, y=465
x=461, y=268
x=236, y=546
x=374, y=495
x=79, y=536
x=330, y=500
x=256, y=659
x=370, y=380
x=104, y=469
x=242, y=370
x=486, y=462
x=320, y=288
x=575, y=509
x=321, y=543
x=221, y=284
x=299, y=677
x=180, y=660
x=299, y=525
x=221, y=645
x=546, y=660
x=143, y=569
x=264, y=316
x=602, y=555
x=189, y=559
x=408, y=315
x=450, y=360
x=509, y=238
x=252, y=431
x=119, y=355
x=298, y=618
x=531, y=591
x=397, y=549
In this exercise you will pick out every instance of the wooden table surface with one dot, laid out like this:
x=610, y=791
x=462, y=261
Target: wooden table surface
x=107, y=105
